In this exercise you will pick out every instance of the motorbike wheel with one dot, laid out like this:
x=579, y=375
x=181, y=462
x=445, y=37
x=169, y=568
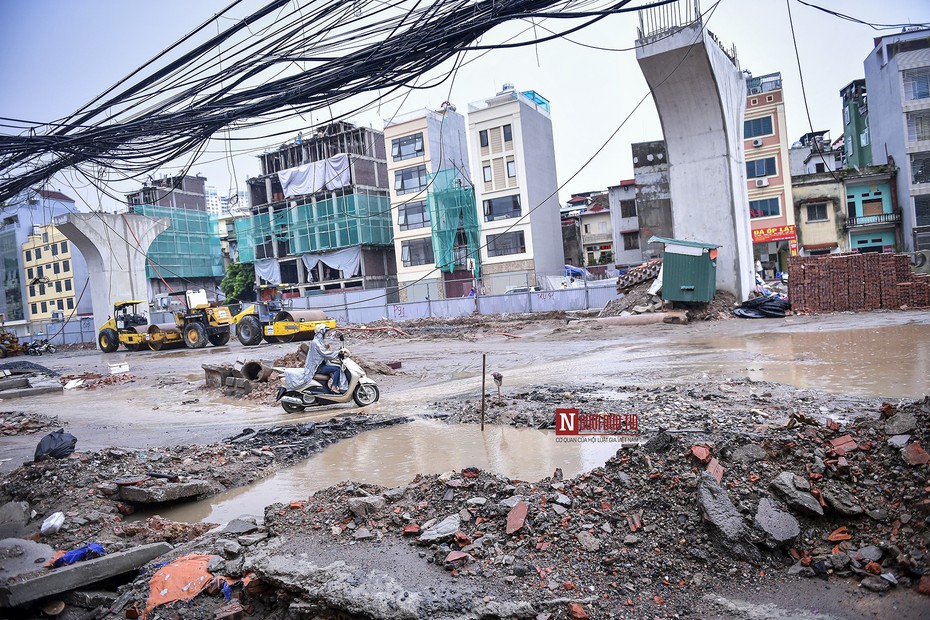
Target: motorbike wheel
x=52, y=349
x=290, y=407
x=366, y=394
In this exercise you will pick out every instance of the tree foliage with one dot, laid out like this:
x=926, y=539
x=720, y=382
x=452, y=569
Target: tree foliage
x=239, y=283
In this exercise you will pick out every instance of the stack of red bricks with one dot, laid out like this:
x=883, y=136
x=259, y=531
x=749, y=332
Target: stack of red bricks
x=856, y=282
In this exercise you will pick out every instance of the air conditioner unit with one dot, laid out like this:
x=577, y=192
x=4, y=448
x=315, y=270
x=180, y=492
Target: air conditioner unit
x=922, y=261
x=762, y=182
x=757, y=142
x=58, y=315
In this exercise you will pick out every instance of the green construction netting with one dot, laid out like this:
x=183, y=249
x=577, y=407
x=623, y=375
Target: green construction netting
x=454, y=219
x=189, y=248
x=356, y=219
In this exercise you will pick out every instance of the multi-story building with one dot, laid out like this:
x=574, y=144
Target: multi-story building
x=512, y=147
x=625, y=224
x=56, y=276
x=814, y=153
x=768, y=176
x=219, y=205
x=653, y=201
x=30, y=213
x=858, y=141
x=320, y=215
x=592, y=211
x=178, y=192
x=897, y=77
x=421, y=144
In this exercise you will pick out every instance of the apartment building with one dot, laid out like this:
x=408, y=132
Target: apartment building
x=771, y=204
x=320, y=214
x=653, y=203
x=55, y=276
x=514, y=156
x=897, y=78
x=437, y=251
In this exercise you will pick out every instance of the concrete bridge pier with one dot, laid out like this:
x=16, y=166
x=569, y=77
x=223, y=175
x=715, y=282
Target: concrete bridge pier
x=114, y=247
x=700, y=94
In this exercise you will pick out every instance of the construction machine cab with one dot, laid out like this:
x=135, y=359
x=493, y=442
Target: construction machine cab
x=126, y=314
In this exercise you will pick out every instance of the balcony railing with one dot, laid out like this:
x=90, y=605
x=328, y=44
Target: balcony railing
x=869, y=220
x=597, y=237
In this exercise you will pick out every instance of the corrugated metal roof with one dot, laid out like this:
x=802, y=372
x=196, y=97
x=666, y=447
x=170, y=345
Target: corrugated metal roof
x=693, y=244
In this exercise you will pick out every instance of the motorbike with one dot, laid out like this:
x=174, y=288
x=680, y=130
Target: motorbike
x=38, y=347
x=361, y=389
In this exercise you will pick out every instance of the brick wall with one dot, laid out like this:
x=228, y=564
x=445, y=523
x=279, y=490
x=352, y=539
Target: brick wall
x=856, y=282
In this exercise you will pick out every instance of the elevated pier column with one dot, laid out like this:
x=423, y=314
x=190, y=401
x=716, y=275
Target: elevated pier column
x=114, y=247
x=700, y=94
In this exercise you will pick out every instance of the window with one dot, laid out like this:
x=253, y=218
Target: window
x=817, y=212
x=508, y=133
x=70, y=301
x=768, y=207
x=628, y=208
x=68, y=284
x=38, y=254
x=416, y=252
x=32, y=291
x=57, y=286
x=846, y=115
x=41, y=289
x=413, y=215
x=631, y=241
x=487, y=173
x=922, y=210
x=34, y=308
x=39, y=272
x=917, y=83
x=864, y=137
x=506, y=244
x=54, y=249
x=29, y=273
x=587, y=228
x=407, y=147
x=410, y=180
x=28, y=255
x=760, y=168
x=920, y=167
x=483, y=137
x=501, y=208
x=44, y=307
x=64, y=246
x=65, y=265
x=602, y=227
x=757, y=127
x=56, y=268
x=511, y=169
x=45, y=237
x=820, y=167
x=61, y=304
x=918, y=128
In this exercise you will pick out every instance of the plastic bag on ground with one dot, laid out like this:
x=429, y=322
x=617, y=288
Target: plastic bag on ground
x=87, y=552
x=55, y=445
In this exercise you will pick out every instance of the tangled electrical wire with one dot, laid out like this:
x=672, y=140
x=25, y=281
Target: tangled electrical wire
x=285, y=58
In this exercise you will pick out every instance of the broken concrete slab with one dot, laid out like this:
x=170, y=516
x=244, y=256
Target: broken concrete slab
x=79, y=574
x=160, y=492
x=363, y=506
x=13, y=519
x=778, y=525
x=442, y=530
x=749, y=453
x=19, y=556
x=900, y=423
x=796, y=493
x=241, y=525
x=725, y=520
x=90, y=599
x=842, y=501
x=32, y=391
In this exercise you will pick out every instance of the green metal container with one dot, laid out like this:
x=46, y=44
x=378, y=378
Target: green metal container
x=689, y=270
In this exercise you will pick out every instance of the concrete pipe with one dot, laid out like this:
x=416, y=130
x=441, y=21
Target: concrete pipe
x=255, y=371
x=165, y=336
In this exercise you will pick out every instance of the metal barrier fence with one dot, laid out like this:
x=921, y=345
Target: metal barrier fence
x=76, y=331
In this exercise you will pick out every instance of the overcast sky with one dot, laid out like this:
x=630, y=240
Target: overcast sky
x=56, y=55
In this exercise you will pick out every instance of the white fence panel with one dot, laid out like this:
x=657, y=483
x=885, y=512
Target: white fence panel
x=551, y=301
x=453, y=307
x=515, y=303
x=405, y=312
x=367, y=315
x=600, y=296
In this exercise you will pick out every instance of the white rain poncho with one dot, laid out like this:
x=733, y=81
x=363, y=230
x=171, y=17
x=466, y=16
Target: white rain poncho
x=317, y=355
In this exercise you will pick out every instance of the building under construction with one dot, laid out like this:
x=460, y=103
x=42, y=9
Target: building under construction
x=320, y=217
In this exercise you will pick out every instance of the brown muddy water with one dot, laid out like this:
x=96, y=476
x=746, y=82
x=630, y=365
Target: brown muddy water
x=891, y=361
x=393, y=456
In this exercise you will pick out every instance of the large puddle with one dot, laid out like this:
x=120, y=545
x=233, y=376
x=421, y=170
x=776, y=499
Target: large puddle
x=891, y=361
x=393, y=456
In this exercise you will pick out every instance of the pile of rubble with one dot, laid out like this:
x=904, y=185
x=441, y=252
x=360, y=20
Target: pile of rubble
x=20, y=378
x=93, y=380
x=13, y=423
x=637, y=300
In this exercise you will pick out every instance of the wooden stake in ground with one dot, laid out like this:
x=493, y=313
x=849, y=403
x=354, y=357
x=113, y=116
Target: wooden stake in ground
x=484, y=378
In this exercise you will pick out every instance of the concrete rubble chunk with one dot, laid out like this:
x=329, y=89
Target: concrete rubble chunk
x=442, y=530
x=900, y=423
x=511, y=501
x=363, y=506
x=228, y=548
x=247, y=540
x=778, y=525
x=476, y=501
x=19, y=556
x=796, y=493
x=240, y=526
x=157, y=493
x=725, y=520
x=79, y=574
x=564, y=500
x=749, y=453
x=90, y=599
x=875, y=584
x=588, y=540
x=13, y=519
x=842, y=501
x=898, y=441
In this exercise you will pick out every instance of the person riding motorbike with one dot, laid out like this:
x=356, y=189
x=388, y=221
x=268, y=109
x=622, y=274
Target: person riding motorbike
x=319, y=360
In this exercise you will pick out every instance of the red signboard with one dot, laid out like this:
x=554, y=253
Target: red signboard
x=773, y=233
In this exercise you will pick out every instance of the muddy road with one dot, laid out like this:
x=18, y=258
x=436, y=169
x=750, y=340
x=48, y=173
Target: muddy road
x=882, y=354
